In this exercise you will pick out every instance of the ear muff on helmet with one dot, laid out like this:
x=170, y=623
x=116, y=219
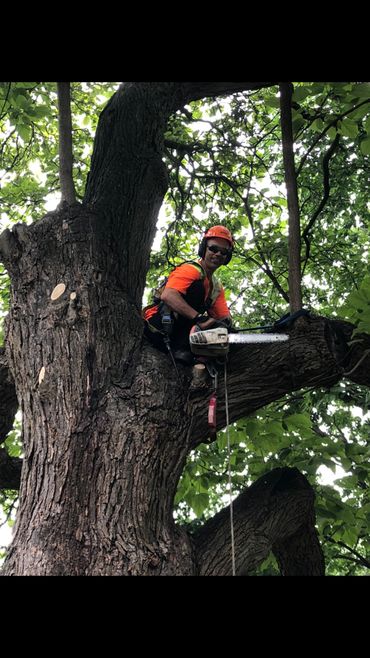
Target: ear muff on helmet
x=228, y=258
x=202, y=248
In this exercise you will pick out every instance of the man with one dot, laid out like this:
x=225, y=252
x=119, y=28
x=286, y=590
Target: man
x=192, y=295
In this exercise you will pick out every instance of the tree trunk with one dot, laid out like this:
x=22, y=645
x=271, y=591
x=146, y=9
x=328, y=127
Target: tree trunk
x=104, y=438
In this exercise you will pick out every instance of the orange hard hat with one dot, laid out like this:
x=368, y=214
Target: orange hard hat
x=219, y=232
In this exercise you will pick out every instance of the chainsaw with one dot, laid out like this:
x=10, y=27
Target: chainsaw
x=216, y=342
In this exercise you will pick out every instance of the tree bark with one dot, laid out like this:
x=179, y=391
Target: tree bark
x=275, y=512
x=99, y=472
x=295, y=294
x=65, y=143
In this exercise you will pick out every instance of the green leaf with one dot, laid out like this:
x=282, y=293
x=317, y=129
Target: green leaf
x=365, y=146
x=347, y=482
x=361, y=90
x=360, y=112
x=21, y=101
x=317, y=125
x=199, y=502
x=273, y=102
x=300, y=93
x=349, y=128
x=24, y=131
x=298, y=421
x=41, y=111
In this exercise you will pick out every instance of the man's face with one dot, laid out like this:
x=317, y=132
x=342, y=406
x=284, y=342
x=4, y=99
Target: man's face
x=214, y=260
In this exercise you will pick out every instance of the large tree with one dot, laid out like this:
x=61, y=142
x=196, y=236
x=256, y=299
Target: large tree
x=107, y=427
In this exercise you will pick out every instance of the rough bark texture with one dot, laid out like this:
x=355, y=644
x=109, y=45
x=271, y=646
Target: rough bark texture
x=106, y=425
x=271, y=515
x=99, y=473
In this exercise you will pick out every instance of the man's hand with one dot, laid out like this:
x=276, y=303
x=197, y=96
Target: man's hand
x=206, y=324
x=225, y=323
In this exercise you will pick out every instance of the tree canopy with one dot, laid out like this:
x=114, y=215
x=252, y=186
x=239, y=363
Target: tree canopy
x=224, y=162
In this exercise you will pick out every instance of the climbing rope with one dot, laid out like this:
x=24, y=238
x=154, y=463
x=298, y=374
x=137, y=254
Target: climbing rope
x=229, y=471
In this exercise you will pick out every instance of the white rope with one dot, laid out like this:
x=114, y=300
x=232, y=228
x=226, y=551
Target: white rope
x=229, y=469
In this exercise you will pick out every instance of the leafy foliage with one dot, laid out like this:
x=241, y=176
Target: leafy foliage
x=225, y=166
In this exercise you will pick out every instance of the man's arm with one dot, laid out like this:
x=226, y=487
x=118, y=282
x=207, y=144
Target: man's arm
x=176, y=302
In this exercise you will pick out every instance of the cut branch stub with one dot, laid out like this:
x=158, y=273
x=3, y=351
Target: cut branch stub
x=41, y=374
x=58, y=291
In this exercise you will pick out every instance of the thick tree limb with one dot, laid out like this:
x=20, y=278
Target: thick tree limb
x=301, y=553
x=194, y=91
x=317, y=354
x=275, y=513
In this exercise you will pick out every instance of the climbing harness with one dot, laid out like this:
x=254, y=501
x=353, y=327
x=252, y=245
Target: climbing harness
x=156, y=293
x=167, y=324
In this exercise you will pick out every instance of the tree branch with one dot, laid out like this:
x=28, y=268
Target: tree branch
x=316, y=354
x=265, y=267
x=65, y=143
x=360, y=558
x=325, y=165
x=295, y=293
x=275, y=512
x=194, y=91
x=323, y=132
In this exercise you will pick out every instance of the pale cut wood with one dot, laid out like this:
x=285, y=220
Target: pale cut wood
x=58, y=291
x=41, y=374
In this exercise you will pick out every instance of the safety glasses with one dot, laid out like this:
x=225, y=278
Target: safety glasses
x=219, y=250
